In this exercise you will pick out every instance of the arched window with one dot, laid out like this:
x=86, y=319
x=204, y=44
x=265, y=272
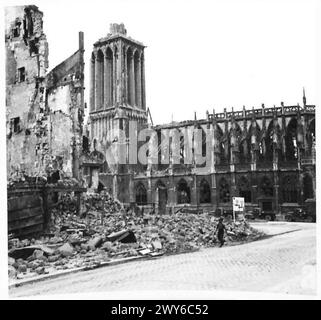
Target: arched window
x=291, y=152
x=253, y=140
x=85, y=144
x=311, y=137
x=141, y=194
x=181, y=149
x=183, y=192
x=290, y=189
x=130, y=79
x=137, y=79
x=224, y=191
x=307, y=187
x=199, y=137
x=269, y=143
x=92, y=82
x=219, y=145
x=245, y=189
x=261, y=150
x=205, y=192
x=109, y=77
x=100, y=80
x=163, y=151
x=266, y=187
x=235, y=134
x=245, y=155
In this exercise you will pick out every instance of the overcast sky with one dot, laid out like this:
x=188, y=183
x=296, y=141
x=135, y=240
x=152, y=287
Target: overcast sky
x=200, y=54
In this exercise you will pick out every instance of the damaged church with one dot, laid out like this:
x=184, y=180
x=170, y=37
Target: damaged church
x=265, y=154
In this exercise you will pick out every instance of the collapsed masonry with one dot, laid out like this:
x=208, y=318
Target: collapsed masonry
x=44, y=119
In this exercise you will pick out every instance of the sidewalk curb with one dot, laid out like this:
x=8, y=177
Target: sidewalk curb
x=20, y=283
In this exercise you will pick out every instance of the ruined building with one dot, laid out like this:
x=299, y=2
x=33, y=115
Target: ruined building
x=265, y=155
x=44, y=111
x=44, y=121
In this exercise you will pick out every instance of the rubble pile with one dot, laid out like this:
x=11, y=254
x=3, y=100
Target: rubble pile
x=105, y=231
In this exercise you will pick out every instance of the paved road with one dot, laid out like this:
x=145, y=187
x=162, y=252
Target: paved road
x=283, y=263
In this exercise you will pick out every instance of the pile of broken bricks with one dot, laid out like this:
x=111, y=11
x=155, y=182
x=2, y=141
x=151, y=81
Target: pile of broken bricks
x=106, y=232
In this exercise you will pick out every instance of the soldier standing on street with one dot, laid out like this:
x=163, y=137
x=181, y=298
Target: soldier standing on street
x=220, y=228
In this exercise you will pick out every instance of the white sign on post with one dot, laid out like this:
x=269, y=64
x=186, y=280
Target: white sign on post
x=238, y=205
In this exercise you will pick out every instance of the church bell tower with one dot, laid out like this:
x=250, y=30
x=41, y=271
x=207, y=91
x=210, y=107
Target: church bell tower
x=117, y=97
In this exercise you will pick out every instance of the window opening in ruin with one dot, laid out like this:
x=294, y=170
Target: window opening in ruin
x=290, y=189
x=266, y=187
x=130, y=80
x=183, y=192
x=163, y=151
x=307, y=187
x=141, y=195
x=260, y=148
x=269, y=143
x=15, y=125
x=245, y=189
x=28, y=23
x=291, y=141
x=33, y=47
x=201, y=135
x=16, y=29
x=181, y=149
x=109, y=78
x=85, y=144
x=311, y=138
x=224, y=191
x=85, y=171
x=55, y=176
x=101, y=187
x=100, y=80
x=104, y=167
x=21, y=74
x=137, y=79
x=205, y=192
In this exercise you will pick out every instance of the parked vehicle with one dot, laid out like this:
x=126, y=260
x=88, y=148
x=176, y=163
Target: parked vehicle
x=258, y=213
x=300, y=215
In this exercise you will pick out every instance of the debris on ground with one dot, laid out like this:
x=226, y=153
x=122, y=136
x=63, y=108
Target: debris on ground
x=104, y=231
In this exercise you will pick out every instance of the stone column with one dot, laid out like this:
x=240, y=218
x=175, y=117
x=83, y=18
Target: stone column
x=194, y=198
x=132, y=81
x=92, y=85
x=97, y=83
x=124, y=77
x=276, y=193
x=115, y=187
x=139, y=84
x=143, y=98
x=254, y=190
x=213, y=191
x=131, y=188
x=171, y=194
x=118, y=73
x=114, y=71
x=106, y=81
x=149, y=191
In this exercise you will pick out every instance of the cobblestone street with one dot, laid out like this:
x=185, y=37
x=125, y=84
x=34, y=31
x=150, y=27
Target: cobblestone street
x=282, y=263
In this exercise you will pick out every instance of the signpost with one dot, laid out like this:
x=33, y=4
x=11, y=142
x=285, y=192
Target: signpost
x=238, y=205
